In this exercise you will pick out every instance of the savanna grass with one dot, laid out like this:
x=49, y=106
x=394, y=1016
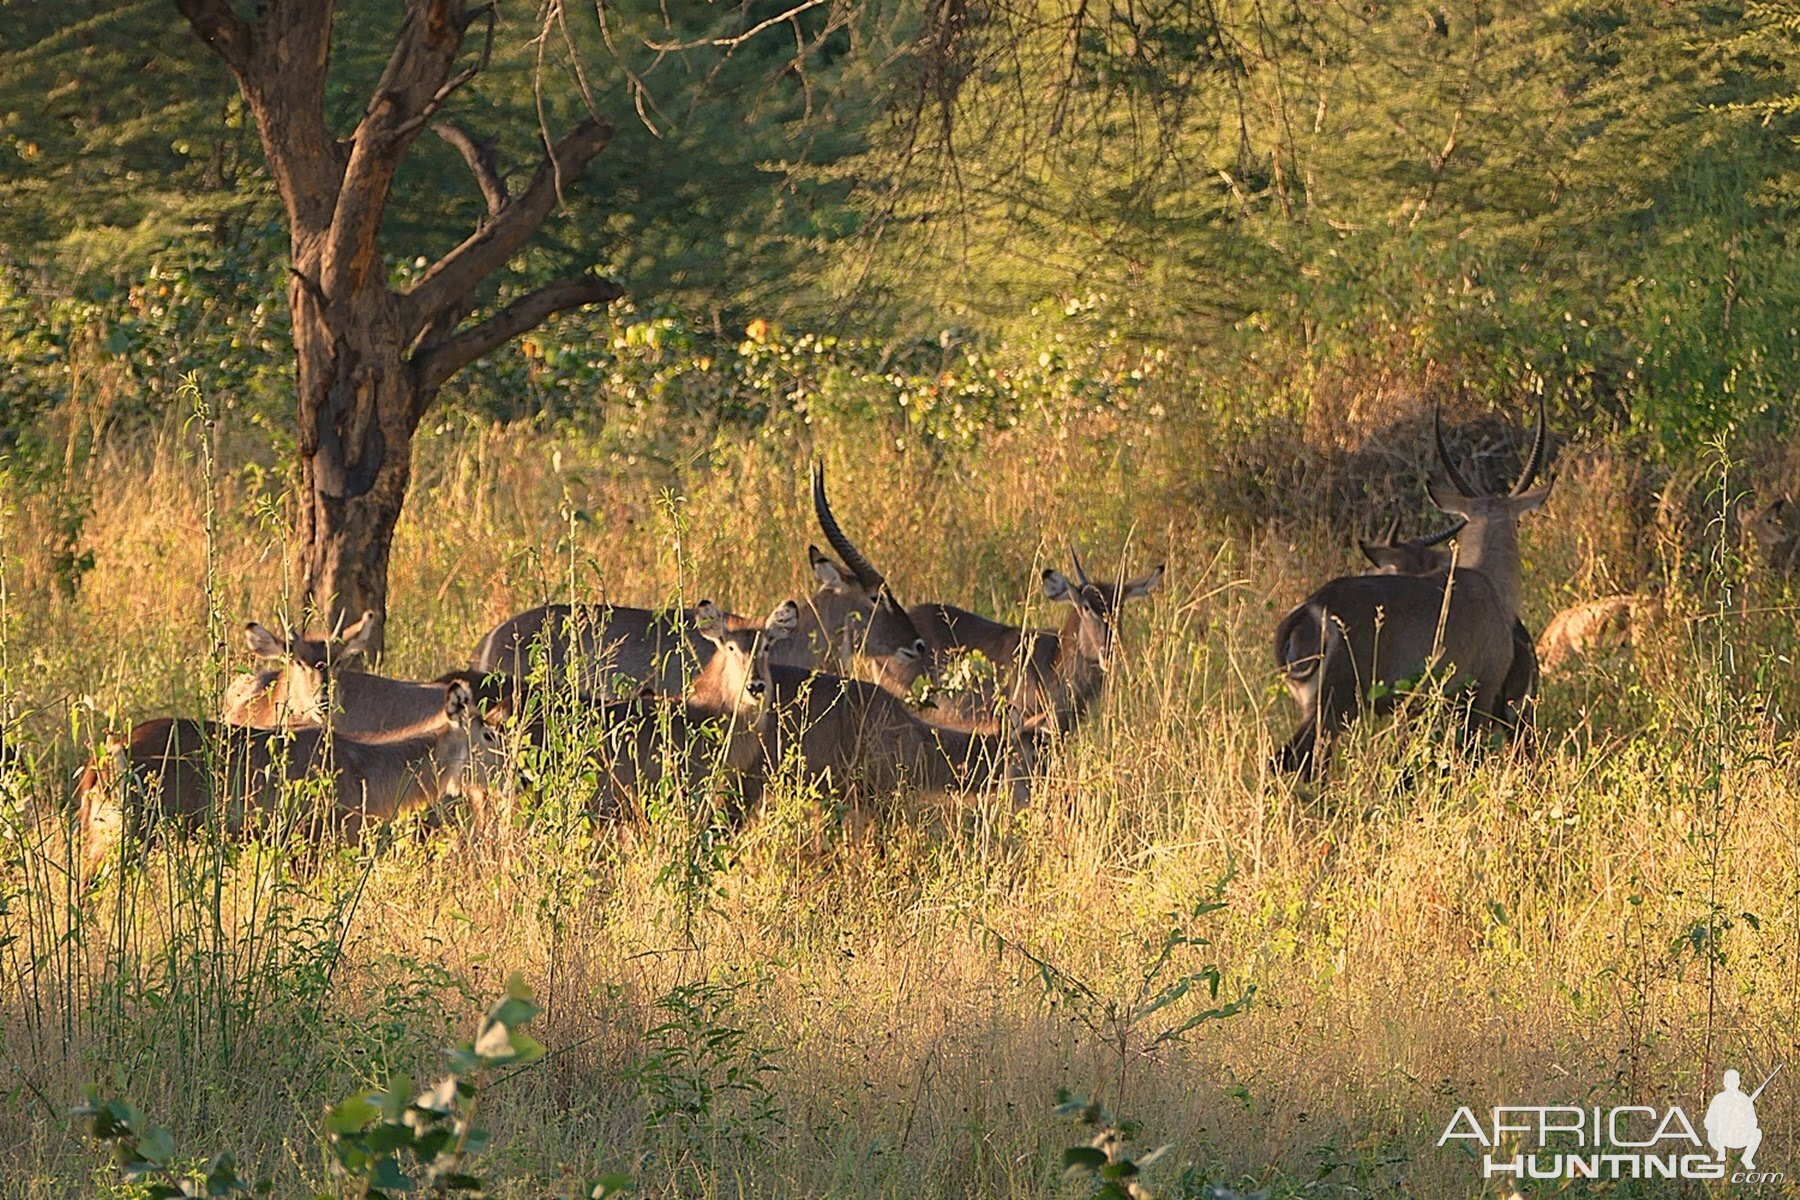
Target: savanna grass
x=791, y=1010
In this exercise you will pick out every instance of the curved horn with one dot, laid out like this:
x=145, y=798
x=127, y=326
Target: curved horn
x=1456, y=479
x=1534, y=462
x=1446, y=534
x=1081, y=575
x=865, y=572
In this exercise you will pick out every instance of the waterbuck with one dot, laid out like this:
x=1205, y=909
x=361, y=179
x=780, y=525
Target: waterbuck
x=1429, y=555
x=716, y=730
x=314, y=682
x=1460, y=622
x=855, y=739
x=851, y=625
x=1057, y=674
x=185, y=772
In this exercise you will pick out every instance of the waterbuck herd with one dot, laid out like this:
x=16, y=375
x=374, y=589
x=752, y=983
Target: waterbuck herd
x=844, y=692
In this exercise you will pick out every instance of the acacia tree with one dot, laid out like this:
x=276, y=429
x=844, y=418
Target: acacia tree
x=371, y=358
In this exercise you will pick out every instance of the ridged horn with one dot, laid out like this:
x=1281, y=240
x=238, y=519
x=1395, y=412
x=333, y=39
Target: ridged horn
x=862, y=568
x=1534, y=462
x=1456, y=479
x=1081, y=575
x=1446, y=534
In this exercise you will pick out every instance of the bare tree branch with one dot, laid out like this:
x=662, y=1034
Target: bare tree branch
x=412, y=85
x=485, y=251
x=280, y=62
x=480, y=157
x=434, y=364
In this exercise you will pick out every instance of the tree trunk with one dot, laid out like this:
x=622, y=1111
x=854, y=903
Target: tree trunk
x=358, y=404
x=371, y=360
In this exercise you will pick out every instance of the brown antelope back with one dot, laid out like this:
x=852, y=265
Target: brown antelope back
x=1044, y=674
x=178, y=773
x=1363, y=635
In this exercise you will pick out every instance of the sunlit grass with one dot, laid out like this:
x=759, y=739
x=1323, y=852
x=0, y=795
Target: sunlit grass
x=800, y=1012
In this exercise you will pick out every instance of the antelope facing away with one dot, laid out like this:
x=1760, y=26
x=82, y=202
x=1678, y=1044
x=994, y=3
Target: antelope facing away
x=1463, y=621
x=851, y=624
x=1427, y=556
x=716, y=729
x=313, y=682
x=1054, y=674
x=184, y=772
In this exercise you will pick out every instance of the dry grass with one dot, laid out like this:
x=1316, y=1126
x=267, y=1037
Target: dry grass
x=1421, y=933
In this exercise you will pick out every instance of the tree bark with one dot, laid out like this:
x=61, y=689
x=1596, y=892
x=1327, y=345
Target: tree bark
x=369, y=360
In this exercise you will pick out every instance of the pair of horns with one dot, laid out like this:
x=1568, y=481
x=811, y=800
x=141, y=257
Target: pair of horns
x=862, y=568
x=1534, y=461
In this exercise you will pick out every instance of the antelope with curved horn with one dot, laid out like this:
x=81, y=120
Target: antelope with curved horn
x=1427, y=556
x=171, y=770
x=1060, y=673
x=851, y=624
x=1363, y=630
x=1414, y=556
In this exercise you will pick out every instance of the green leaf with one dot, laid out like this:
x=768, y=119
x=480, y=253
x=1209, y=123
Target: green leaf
x=351, y=1114
x=157, y=1146
x=609, y=1185
x=388, y=1137
x=387, y=1174
x=1083, y=1160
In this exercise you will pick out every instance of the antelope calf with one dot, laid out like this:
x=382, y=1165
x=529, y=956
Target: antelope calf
x=1460, y=622
x=1045, y=674
x=851, y=624
x=185, y=772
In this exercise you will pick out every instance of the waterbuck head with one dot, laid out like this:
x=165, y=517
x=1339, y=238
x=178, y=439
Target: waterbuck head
x=1093, y=621
x=488, y=767
x=302, y=686
x=1489, y=541
x=1414, y=556
x=1777, y=542
x=869, y=630
x=736, y=678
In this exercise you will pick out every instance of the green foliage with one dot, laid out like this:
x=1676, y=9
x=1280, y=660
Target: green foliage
x=1103, y=1160
x=380, y=1143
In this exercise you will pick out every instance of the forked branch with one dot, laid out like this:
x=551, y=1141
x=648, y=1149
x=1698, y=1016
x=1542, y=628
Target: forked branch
x=434, y=364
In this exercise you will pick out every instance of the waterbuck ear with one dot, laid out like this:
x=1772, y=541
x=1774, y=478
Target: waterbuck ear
x=1449, y=499
x=458, y=700
x=781, y=623
x=1143, y=586
x=359, y=637
x=828, y=573
x=1388, y=558
x=262, y=643
x=710, y=622
x=1530, y=501
x=1056, y=587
